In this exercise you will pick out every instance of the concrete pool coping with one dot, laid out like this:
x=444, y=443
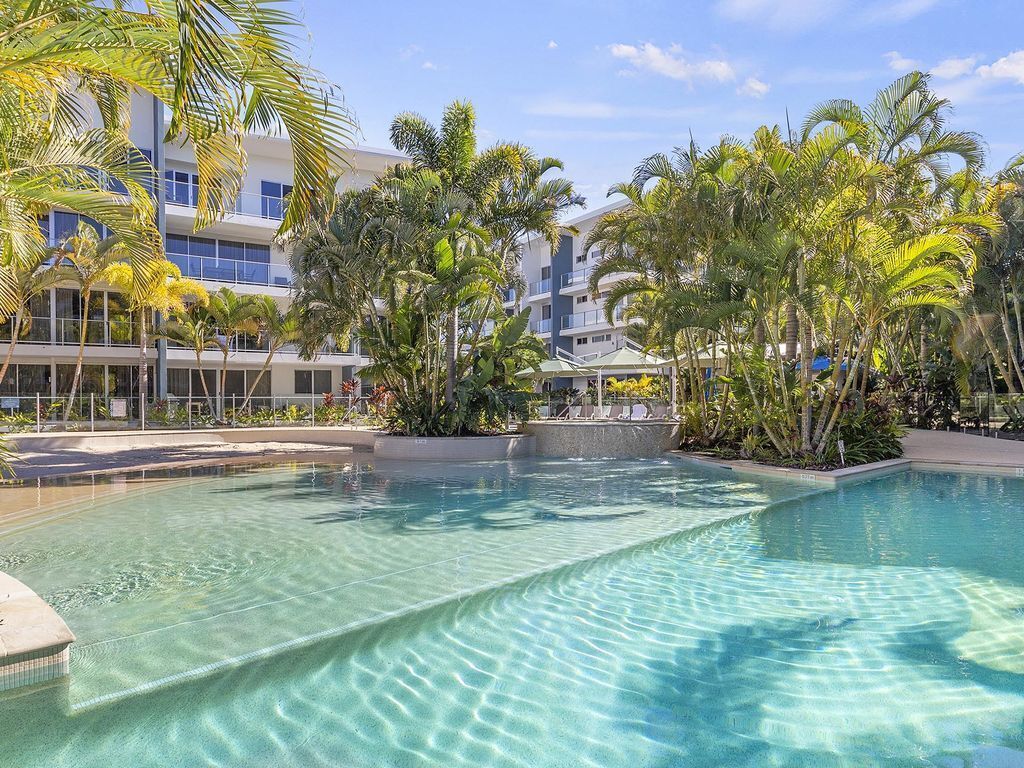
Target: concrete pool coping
x=923, y=450
x=34, y=639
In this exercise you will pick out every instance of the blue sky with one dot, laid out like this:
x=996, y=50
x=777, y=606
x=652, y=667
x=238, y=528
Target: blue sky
x=603, y=83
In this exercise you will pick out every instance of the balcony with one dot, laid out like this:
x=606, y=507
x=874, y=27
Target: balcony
x=67, y=332
x=541, y=326
x=539, y=289
x=575, y=280
x=247, y=204
x=591, y=319
x=231, y=271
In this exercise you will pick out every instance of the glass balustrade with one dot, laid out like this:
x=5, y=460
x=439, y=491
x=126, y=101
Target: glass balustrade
x=247, y=203
x=540, y=287
x=231, y=270
x=541, y=326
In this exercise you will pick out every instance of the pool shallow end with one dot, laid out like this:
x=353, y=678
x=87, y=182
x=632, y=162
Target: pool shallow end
x=34, y=640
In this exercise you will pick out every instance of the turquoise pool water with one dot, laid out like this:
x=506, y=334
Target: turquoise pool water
x=665, y=618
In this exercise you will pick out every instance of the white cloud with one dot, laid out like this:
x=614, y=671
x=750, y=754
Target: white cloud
x=900, y=63
x=1010, y=67
x=409, y=51
x=672, y=62
x=799, y=15
x=552, y=45
x=784, y=15
x=428, y=65
x=896, y=11
x=754, y=88
x=950, y=68
x=602, y=110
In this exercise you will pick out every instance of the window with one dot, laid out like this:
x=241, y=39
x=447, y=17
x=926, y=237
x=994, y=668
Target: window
x=312, y=382
x=273, y=194
x=545, y=312
x=581, y=259
x=66, y=224
x=545, y=273
x=581, y=341
x=599, y=339
x=181, y=187
x=582, y=299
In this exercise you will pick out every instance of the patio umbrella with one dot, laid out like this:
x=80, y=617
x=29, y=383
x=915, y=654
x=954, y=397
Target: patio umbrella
x=552, y=369
x=624, y=359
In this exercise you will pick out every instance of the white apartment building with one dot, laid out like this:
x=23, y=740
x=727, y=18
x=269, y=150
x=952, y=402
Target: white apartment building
x=238, y=252
x=563, y=312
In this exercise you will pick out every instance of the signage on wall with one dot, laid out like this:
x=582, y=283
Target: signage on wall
x=8, y=403
x=118, y=408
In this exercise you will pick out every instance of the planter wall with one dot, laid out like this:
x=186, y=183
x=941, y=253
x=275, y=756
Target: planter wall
x=604, y=439
x=488, y=448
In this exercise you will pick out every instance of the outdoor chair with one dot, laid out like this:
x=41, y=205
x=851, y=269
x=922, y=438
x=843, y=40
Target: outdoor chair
x=604, y=412
x=543, y=412
x=574, y=411
x=588, y=412
x=614, y=411
x=638, y=413
x=660, y=411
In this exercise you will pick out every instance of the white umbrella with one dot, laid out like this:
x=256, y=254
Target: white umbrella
x=624, y=359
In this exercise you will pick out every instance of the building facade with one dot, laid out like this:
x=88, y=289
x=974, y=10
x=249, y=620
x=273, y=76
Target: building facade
x=563, y=311
x=238, y=252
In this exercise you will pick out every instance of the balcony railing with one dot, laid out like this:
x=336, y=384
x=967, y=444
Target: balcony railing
x=541, y=326
x=541, y=287
x=247, y=203
x=577, y=277
x=587, y=319
x=67, y=332
x=231, y=271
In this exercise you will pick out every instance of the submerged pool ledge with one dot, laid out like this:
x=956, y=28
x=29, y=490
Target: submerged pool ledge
x=34, y=640
x=832, y=479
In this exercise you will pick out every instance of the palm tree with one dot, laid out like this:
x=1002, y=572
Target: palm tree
x=194, y=330
x=222, y=69
x=232, y=315
x=469, y=182
x=277, y=328
x=85, y=259
x=27, y=279
x=156, y=287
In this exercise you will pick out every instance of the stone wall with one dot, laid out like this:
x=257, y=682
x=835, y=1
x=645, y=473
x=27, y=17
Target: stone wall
x=604, y=439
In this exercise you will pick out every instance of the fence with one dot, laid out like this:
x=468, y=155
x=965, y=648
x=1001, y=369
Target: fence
x=988, y=412
x=94, y=413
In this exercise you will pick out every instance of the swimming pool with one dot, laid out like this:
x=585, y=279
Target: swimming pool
x=608, y=613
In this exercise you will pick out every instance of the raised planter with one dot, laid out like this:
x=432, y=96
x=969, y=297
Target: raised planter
x=615, y=439
x=483, y=448
x=34, y=640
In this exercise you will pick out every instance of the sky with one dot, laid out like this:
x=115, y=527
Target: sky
x=602, y=84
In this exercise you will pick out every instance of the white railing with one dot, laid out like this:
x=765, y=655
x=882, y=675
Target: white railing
x=220, y=270
x=541, y=326
x=248, y=203
x=589, y=318
x=541, y=287
x=576, y=277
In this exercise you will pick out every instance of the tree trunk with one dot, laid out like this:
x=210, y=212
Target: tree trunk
x=450, y=344
x=81, y=354
x=15, y=330
x=143, y=367
x=792, y=331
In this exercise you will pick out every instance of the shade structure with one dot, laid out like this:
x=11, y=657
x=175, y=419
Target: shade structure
x=551, y=369
x=624, y=359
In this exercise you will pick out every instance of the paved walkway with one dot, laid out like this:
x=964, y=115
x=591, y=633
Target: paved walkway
x=956, y=448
